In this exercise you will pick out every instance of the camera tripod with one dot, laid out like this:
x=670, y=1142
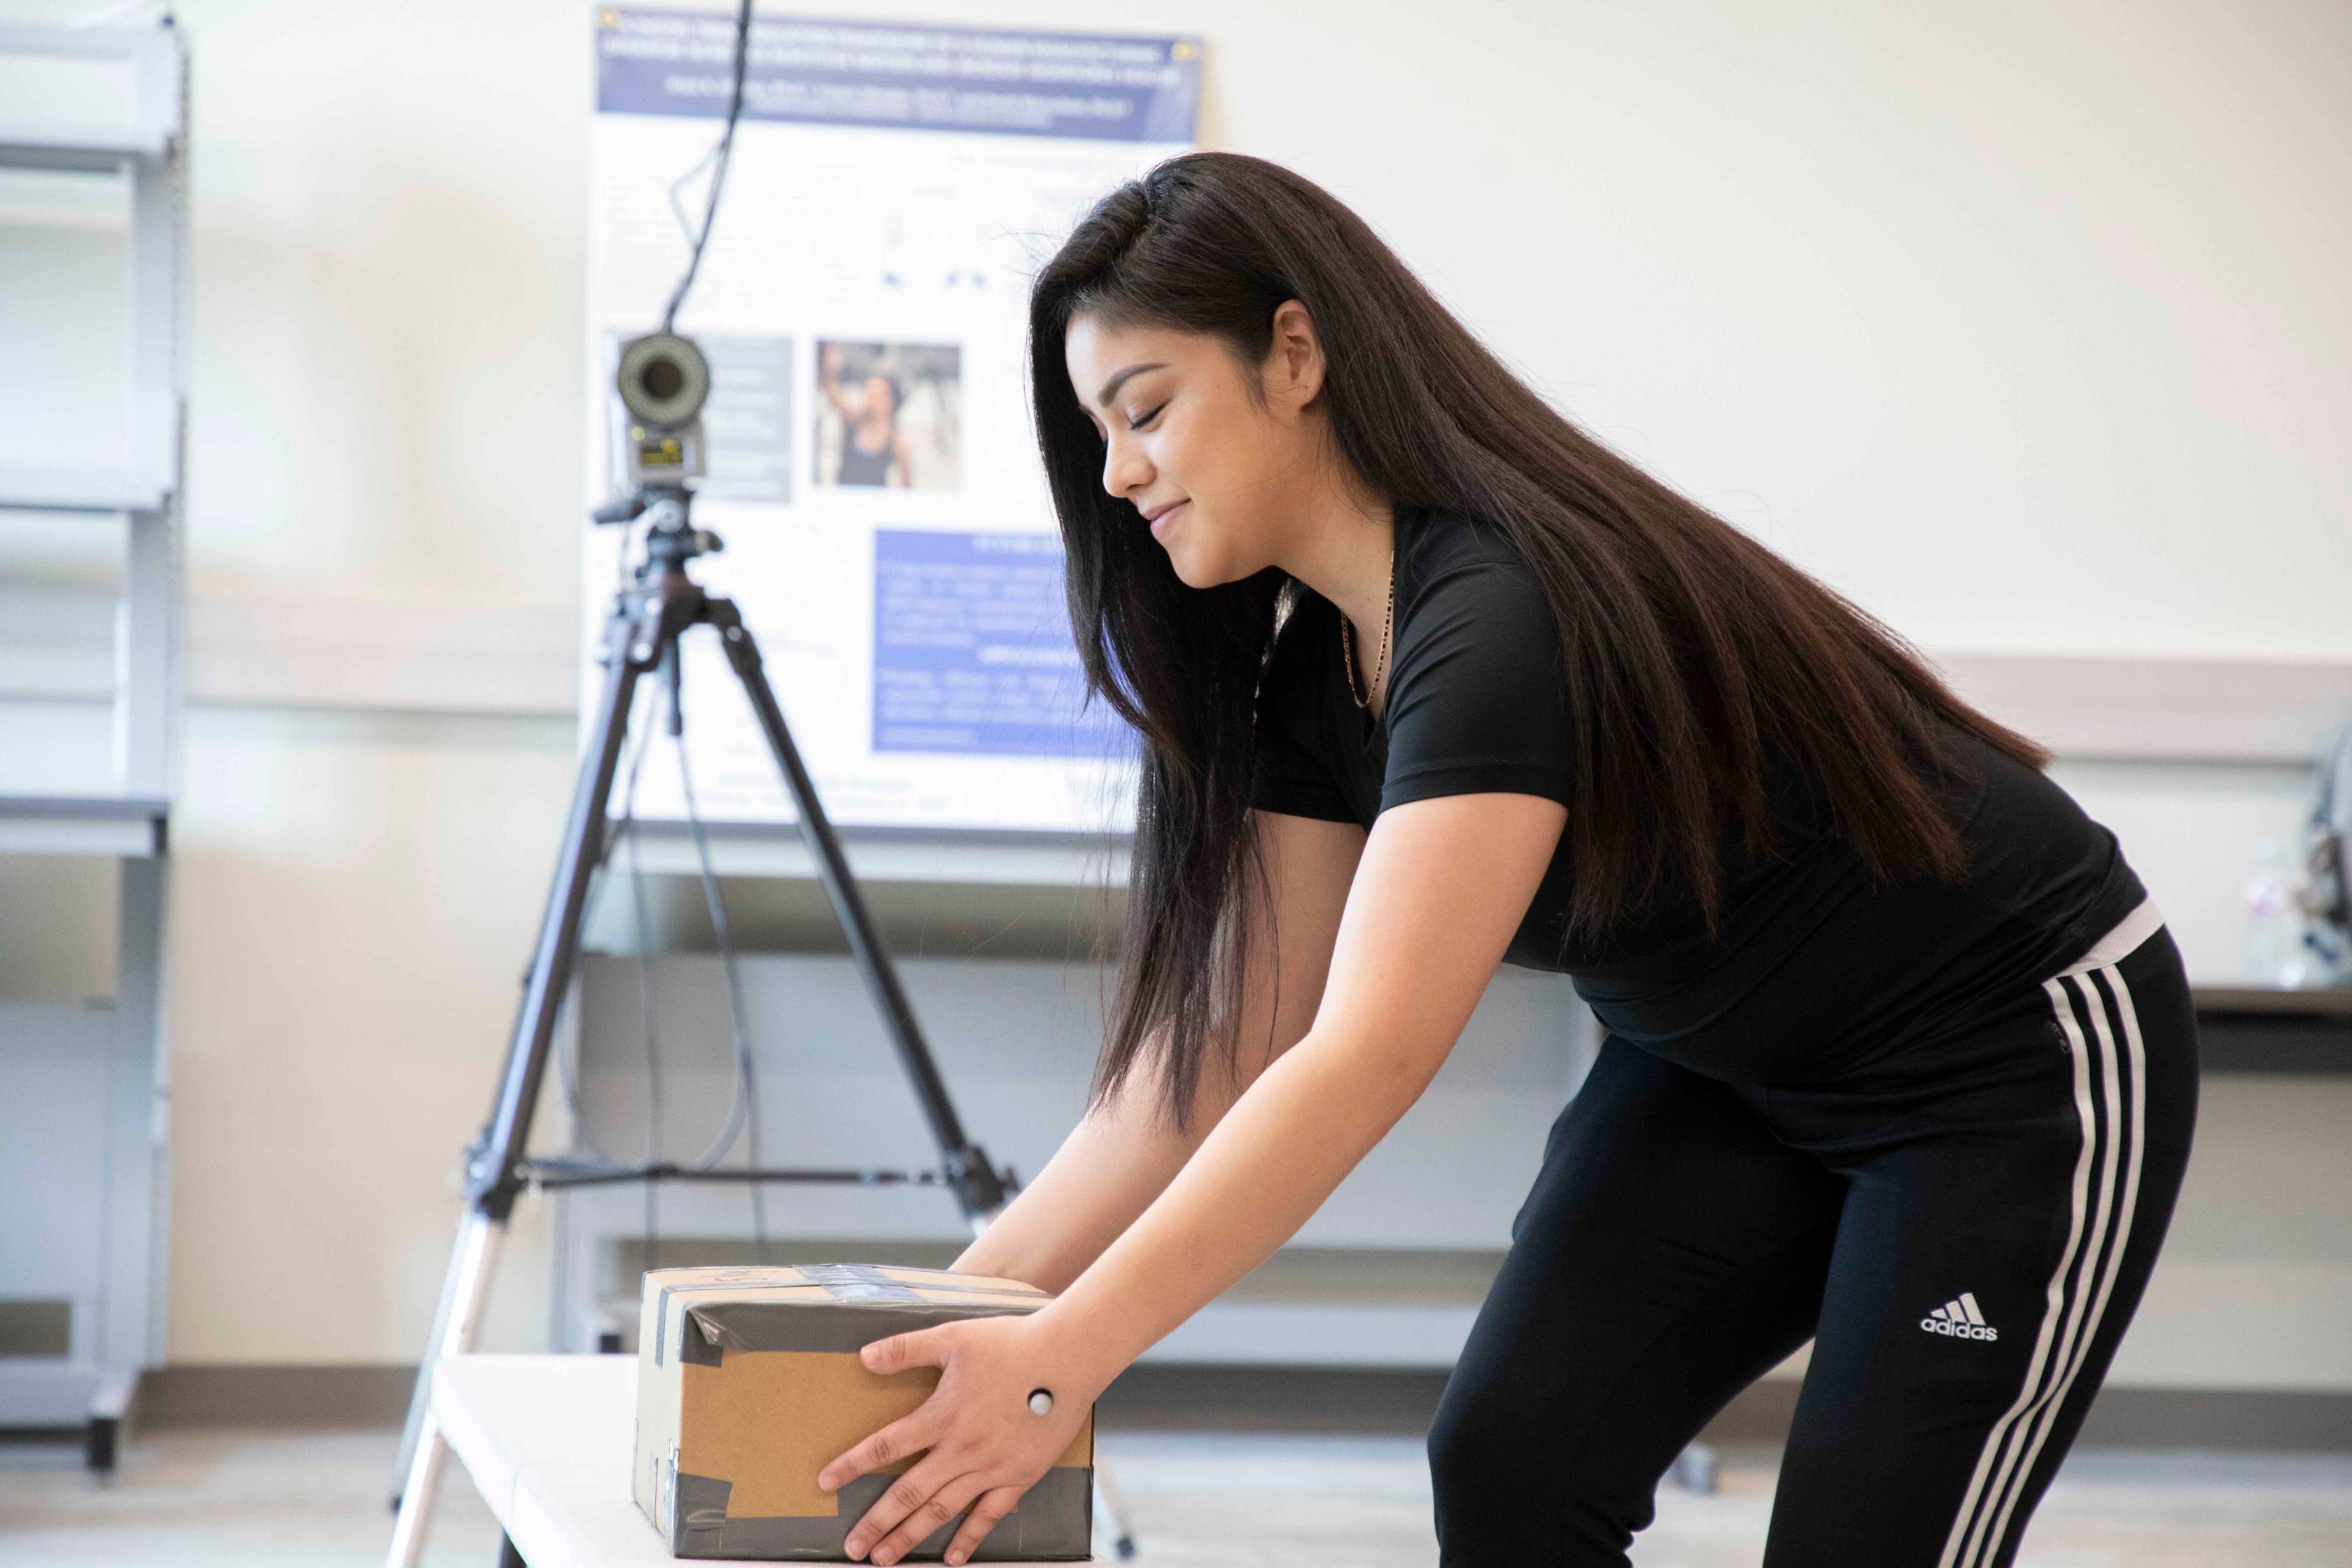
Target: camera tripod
x=641, y=639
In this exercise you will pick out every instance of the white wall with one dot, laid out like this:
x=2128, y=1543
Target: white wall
x=2022, y=325
x=352, y=899
x=2017, y=321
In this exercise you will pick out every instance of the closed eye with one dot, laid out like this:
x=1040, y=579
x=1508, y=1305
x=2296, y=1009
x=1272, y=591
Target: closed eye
x=1140, y=423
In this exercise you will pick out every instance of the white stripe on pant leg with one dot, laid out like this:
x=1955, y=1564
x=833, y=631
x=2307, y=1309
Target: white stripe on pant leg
x=2055, y=1304
x=1981, y=1536
x=2099, y=1134
x=2076, y=1336
x=2136, y=1126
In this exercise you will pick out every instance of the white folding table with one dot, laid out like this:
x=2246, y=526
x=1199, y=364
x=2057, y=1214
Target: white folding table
x=547, y=1440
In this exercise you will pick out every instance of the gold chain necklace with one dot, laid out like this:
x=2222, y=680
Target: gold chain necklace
x=1347, y=642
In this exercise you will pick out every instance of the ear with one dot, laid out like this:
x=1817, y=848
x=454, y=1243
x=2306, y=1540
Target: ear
x=1293, y=371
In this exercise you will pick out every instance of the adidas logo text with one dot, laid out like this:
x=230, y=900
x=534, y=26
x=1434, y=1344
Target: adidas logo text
x=1959, y=1318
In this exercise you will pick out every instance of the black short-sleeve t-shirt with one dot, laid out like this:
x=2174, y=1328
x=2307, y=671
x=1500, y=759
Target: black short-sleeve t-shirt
x=1812, y=954
x=1470, y=709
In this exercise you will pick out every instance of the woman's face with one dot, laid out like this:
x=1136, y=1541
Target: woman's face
x=1215, y=472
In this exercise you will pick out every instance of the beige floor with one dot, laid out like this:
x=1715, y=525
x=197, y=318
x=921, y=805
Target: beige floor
x=257, y=1499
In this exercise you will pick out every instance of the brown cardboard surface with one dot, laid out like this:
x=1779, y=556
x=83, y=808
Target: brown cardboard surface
x=750, y=1382
x=768, y=1421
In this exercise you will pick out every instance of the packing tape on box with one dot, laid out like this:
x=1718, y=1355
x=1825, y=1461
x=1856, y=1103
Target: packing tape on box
x=843, y=1281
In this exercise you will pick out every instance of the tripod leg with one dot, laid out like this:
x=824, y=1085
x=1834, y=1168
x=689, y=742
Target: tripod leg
x=421, y=1396
x=643, y=625
x=978, y=1186
x=468, y=1288
x=1114, y=1507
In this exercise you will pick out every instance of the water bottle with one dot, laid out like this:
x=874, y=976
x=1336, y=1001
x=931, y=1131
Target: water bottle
x=2275, y=950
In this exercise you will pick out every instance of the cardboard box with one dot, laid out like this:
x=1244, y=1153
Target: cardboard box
x=749, y=1381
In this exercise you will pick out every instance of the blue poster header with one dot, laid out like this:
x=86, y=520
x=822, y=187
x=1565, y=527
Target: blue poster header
x=1095, y=87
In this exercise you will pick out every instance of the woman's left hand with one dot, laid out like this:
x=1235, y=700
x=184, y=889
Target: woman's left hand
x=986, y=1446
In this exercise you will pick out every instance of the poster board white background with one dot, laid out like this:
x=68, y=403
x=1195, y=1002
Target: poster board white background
x=863, y=299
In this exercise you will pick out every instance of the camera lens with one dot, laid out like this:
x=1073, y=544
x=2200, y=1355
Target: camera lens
x=663, y=379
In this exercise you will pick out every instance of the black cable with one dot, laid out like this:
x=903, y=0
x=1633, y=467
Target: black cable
x=737, y=1012
x=718, y=174
x=583, y=1135
x=584, y=1138
x=745, y=1110
x=649, y=997
x=722, y=1143
x=686, y=227
x=627, y=830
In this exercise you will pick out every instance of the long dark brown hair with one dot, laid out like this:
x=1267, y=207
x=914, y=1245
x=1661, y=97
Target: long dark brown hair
x=1691, y=654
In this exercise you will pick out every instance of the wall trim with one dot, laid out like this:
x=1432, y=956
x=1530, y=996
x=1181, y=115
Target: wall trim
x=2211, y=710
x=354, y=1396
x=56, y=644
x=417, y=656
x=425, y=656
x=1294, y=1399
x=2233, y=1420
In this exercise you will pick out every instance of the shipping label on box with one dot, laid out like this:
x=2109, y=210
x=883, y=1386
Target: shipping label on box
x=749, y=1381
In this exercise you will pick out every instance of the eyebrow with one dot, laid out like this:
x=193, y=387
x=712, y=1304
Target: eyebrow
x=1111, y=387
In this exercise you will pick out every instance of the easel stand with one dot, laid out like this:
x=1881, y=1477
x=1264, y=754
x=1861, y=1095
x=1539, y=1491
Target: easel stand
x=641, y=638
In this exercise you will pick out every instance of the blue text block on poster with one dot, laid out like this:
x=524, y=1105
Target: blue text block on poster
x=972, y=650
x=1103, y=87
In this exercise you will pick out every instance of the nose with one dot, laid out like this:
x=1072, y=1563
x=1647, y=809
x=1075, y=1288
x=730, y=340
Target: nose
x=1126, y=469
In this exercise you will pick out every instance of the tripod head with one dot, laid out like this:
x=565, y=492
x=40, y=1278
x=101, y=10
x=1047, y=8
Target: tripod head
x=671, y=540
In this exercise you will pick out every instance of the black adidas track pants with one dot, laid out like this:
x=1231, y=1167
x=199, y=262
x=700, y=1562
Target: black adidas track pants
x=1963, y=1232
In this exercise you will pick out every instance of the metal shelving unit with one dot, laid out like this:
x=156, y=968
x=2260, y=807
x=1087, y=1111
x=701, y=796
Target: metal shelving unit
x=83, y=1090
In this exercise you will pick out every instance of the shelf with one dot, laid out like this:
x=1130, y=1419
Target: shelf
x=2274, y=1029
x=2323, y=1001
x=108, y=488
x=127, y=826
x=879, y=854
x=43, y=1392
x=110, y=100
x=25, y=147
x=121, y=97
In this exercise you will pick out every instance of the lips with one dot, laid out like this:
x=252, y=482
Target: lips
x=1166, y=520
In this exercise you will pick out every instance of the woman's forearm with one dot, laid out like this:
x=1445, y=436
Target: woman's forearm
x=1114, y=1162
x=1118, y=1159
x=1123, y=1155
x=1270, y=1162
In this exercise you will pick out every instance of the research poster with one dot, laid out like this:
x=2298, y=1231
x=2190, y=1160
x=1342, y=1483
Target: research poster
x=870, y=463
